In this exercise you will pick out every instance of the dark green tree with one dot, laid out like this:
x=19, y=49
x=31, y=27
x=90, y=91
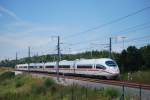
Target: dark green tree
x=123, y=61
x=134, y=58
x=145, y=51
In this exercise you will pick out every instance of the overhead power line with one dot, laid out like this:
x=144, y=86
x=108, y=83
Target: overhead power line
x=108, y=23
x=134, y=39
x=124, y=31
x=139, y=44
x=130, y=40
x=134, y=28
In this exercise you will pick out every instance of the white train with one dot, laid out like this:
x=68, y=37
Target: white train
x=104, y=67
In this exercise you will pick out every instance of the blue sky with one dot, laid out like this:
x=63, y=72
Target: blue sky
x=32, y=23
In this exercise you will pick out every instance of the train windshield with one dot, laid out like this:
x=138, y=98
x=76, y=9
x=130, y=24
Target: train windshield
x=111, y=63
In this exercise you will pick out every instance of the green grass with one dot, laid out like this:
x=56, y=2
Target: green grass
x=139, y=77
x=4, y=69
x=111, y=93
x=26, y=87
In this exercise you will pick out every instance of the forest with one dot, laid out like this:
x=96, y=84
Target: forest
x=129, y=60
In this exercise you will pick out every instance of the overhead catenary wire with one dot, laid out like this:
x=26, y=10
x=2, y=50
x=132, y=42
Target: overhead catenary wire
x=86, y=49
x=137, y=44
x=108, y=23
x=89, y=48
x=130, y=40
x=132, y=28
x=134, y=39
x=124, y=31
x=129, y=31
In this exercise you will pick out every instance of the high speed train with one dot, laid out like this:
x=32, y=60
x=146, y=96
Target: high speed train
x=104, y=67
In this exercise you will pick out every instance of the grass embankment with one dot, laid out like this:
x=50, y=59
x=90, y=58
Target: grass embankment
x=25, y=87
x=138, y=77
x=4, y=69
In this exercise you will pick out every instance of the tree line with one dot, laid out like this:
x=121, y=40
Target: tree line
x=130, y=59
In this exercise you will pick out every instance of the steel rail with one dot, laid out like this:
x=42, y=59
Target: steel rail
x=109, y=82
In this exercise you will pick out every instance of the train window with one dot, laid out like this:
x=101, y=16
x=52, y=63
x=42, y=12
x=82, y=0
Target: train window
x=40, y=66
x=24, y=66
x=49, y=66
x=111, y=63
x=31, y=66
x=64, y=66
x=84, y=66
x=98, y=66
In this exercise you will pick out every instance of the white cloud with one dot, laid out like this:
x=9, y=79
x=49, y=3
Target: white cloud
x=20, y=34
x=22, y=42
x=10, y=13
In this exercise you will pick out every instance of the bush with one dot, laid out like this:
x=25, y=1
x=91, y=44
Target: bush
x=48, y=82
x=19, y=80
x=111, y=92
x=38, y=89
x=19, y=83
x=54, y=89
x=7, y=75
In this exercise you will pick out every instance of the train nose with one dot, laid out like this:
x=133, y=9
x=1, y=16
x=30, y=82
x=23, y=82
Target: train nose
x=114, y=70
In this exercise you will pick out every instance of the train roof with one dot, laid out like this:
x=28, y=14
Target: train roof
x=22, y=65
x=39, y=64
x=32, y=64
x=85, y=61
x=65, y=62
x=104, y=59
x=93, y=61
x=50, y=63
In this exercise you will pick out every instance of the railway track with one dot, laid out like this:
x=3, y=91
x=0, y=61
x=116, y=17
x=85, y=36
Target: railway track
x=109, y=82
